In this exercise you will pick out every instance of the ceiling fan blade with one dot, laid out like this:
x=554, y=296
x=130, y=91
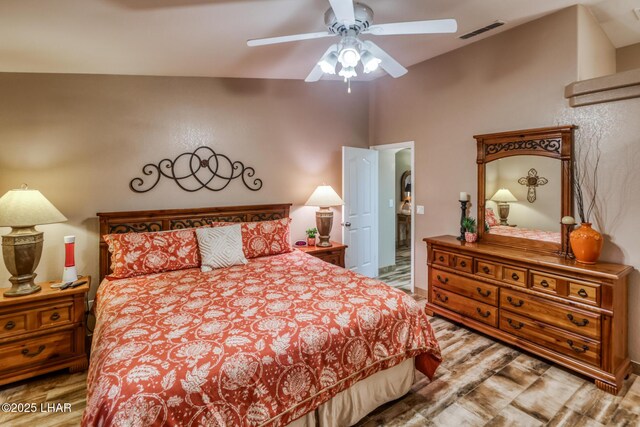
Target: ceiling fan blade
x=285, y=39
x=343, y=10
x=317, y=73
x=433, y=26
x=390, y=65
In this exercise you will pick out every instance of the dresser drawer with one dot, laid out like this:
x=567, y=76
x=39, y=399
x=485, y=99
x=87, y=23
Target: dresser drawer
x=544, y=283
x=56, y=315
x=556, y=339
x=587, y=293
x=13, y=323
x=481, y=312
x=469, y=288
x=565, y=317
x=463, y=263
x=486, y=269
x=35, y=351
x=442, y=258
x=514, y=276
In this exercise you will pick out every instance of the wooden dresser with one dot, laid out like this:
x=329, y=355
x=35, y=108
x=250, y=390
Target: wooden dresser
x=42, y=332
x=572, y=314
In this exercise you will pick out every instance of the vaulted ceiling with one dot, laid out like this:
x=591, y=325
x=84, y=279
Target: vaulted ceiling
x=207, y=37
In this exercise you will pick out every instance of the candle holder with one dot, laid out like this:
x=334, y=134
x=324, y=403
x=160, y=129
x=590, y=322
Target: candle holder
x=566, y=247
x=463, y=214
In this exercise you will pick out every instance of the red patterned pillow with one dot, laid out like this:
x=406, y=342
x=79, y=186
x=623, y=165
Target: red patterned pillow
x=135, y=254
x=264, y=238
x=490, y=217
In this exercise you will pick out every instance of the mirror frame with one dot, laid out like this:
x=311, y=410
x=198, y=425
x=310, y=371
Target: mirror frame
x=403, y=178
x=555, y=142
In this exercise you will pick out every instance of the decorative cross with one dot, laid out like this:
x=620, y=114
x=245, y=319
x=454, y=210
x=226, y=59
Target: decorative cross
x=532, y=180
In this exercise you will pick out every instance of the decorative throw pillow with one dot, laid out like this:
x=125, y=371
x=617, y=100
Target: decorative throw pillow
x=220, y=247
x=490, y=217
x=135, y=254
x=264, y=238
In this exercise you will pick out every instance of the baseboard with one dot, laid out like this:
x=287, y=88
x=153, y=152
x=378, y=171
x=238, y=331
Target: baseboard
x=387, y=269
x=635, y=367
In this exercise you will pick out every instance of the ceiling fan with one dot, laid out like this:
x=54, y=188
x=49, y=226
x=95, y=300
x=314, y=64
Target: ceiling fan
x=349, y=20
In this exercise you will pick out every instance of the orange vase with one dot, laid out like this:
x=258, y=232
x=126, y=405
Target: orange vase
x=586, y=244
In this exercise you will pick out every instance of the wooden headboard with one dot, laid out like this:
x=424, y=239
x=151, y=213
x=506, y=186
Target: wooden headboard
x=175, y=219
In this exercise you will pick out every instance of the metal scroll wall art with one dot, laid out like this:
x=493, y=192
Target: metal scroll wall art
x=532, y=181
x=193, y=171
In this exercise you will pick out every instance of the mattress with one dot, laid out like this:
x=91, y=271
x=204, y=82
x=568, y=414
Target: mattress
x=260, y=344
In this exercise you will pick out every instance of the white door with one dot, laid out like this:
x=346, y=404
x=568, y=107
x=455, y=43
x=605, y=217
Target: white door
x=360, y=213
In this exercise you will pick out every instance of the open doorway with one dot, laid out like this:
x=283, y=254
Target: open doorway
x=395, y=213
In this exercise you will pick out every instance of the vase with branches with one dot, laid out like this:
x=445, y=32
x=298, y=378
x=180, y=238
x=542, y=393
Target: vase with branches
x=586, y=242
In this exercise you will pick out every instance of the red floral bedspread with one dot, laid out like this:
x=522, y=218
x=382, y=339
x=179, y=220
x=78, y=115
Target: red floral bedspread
x=526, y=233
x=259, y=344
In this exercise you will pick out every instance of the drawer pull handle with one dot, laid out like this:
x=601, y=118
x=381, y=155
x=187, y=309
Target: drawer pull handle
x=583, y=322
x=578, y=349
x=55, y=316
x=483, y=294
x=443, y=281
x=441, y=259
x=514, y=325
x=486, y=269
x=544, y=284
x=463, y=264
x=515, y=304
x=26, y=353
x=10, y=325
x=485, y=314
x=583, y=293
x=441, y=298
x=515, y=276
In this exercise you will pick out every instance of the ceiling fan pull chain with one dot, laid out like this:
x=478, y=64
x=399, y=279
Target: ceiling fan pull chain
x=349, y=86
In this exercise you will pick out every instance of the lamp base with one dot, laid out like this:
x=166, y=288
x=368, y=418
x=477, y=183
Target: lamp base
x=503, y=211
x=324, y=222
x=21, y=250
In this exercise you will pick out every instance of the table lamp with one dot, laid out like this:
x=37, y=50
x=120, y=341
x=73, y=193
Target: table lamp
x=22, y=210
x=324, y=197
x=503, y=196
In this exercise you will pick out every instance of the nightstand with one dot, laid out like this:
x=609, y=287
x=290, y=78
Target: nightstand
x=43, y=332
x=333, y=254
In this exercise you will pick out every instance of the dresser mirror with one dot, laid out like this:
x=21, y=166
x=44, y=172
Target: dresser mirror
x=525, y=187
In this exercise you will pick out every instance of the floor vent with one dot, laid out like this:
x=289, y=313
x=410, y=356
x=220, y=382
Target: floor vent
x=482, y=30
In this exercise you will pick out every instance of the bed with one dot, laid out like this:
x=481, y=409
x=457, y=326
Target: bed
x=526, y=233
x=283, y=340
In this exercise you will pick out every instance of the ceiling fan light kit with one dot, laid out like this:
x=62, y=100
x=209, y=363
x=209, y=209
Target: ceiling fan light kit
x=348, y=20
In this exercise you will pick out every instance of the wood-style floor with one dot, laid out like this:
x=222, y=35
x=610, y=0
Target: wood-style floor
x=400, y=276
x=481, y=382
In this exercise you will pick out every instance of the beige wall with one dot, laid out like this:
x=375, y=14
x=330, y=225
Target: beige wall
x=386, y=213
x=628, y=58
x=514, y=80
x=596, y=53
x=80, y=139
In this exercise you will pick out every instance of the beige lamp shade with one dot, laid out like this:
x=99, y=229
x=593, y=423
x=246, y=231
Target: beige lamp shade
x=324, y=196
x=503, y=195
x=27, y=208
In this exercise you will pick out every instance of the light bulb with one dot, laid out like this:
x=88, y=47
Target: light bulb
x=349, y=57
x=370, y=62
x=348, y=72
x=328, y=63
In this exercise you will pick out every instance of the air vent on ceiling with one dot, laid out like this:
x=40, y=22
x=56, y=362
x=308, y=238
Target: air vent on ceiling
x=482, y=30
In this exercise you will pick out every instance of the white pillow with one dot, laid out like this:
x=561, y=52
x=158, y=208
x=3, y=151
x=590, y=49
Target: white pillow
x=220, y=247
